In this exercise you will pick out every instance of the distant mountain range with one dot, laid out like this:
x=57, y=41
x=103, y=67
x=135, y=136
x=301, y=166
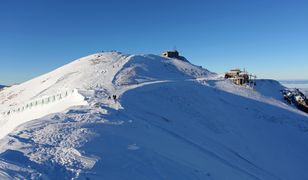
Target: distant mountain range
x=294, y=81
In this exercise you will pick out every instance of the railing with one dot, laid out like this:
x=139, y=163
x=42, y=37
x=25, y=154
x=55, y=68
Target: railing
x=39, y=102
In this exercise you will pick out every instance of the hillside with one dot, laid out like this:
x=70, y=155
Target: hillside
x=171, y=120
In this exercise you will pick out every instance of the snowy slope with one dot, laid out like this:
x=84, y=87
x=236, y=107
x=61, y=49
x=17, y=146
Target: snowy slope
x=99, y=71
x=173, y=120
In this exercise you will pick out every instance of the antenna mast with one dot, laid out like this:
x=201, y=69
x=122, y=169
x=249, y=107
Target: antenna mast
x=174, y=47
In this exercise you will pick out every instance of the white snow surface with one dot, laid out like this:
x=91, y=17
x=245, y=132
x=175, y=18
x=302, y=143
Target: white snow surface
x=171, y=120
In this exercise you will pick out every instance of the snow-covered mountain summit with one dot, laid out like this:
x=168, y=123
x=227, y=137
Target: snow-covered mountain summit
x=170, y=120
x=102, y=70
x=108, y=71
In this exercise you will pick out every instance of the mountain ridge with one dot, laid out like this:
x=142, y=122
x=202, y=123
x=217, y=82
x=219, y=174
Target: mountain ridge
x=170, y=120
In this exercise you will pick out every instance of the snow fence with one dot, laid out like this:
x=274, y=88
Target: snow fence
x=45, y=100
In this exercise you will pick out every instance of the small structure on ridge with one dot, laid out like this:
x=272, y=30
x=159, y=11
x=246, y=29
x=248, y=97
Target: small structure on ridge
x=240, y=77
x=174, y=54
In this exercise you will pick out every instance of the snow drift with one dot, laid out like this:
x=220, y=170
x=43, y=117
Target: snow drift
x=172, y=120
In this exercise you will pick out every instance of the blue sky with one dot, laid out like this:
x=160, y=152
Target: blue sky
x=267, y=37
